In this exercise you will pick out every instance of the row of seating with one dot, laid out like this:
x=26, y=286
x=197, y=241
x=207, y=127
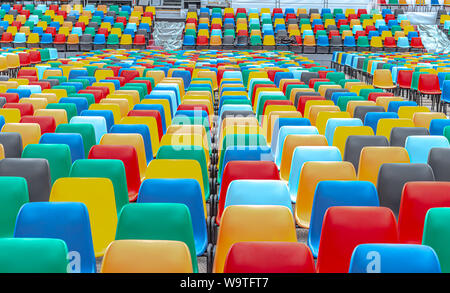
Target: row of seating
x=417, y=76
x=250, y=133
x=313, y=34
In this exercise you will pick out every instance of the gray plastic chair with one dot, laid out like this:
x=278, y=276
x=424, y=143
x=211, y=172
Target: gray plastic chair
x=399, y=134
x=330, y=92
x=12, y=144
x=439, y=161
x=361, y=111
x=304, y=94
x=392, y=177
x=35, y=171
x=307, y=76
x=355, y=144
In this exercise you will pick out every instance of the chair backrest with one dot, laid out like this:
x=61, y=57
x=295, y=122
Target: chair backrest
x=51, y=220
x=262, y=223
x=438, y=161
x=399, y=135
x=98, y=196
x=143, y=221
x=419, y=146
x=372, y=157
x=436, y=234
x=397, y=258
x=147, y=256
x=35, y=171
x=417, y=199
x=183, y=191
x=269, y=257
x=337, y=193
x=14, y=195
x=392, y=178
x=344, y=228
x=18, y=255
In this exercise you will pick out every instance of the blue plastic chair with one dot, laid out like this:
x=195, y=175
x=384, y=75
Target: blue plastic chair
x=258, y=192
x=109, y=19
x=394, y=105
x=337, y=193
x=437, y=126
x=322, y=41
x=73, y=140
x=280, y=122
x=333, y=123
x=185, y=191
x=445, y=95
x=419, y=146
x=99, y=39
x=371, y=119
x=394, y=258
x=38, y=30
x=34, y=89
x=76, y=73
x=349, y=41
x=335, y=96
x=23, y=93
x=282, y=75
x=141, y=129
x=80, y=103
x=403, y=42
x=170, y=89
x=68, y=221
x=185, y=75
x=232, y=74
x=289, y=130
x=20, y=38
x=77, y=31
x=78, y=85
x=93, y=117
x=305, y=154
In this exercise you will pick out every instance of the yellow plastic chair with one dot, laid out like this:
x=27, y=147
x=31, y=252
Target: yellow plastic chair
x=312, y=103
x=60, y=115
x=50, y=97
x=152, y=126
x=409, y=111
x=423, y=119
x=242, y=223
x=38, y=103
x=290, y=143
x=311, y=174
x=316, y=109
x=382, y=79
x=147, y=256
x=323, y=116
x=385, y=125
x=341, y=134
x=123, y=107
x=384, y=101
x=30, y=132
x=11, y=115
x=133, y=139
x=372, y=158
x=98, y=196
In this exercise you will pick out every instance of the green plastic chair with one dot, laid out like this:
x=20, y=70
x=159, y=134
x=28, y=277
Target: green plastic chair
x=114, y=170
x=89, y=97
x=46, y=18
x=190, y=32
x=189, y=153
x=255, y=41
x=57, y=155
x=91, y=69
x=96, y=19
x=45, y=54
x=70, y=89
x=112, y=40
x=151, y=79
x=363, y=42
x=61, y=79
x=71, y=109
x=342, y=82
x=33, y=255
x=158, y=221
x=14, y=195
x=114, y=8
x=263, y=99
x=335, y=77
x=239, y=139
x=447, y=132
x=436, y=233
x=366, y=92
x=86, y=131
x=318, y=84
x=343, y=100
x=119, y=25
x=89, y=31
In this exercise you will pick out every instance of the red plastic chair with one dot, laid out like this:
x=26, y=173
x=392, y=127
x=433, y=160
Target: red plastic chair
x=416, y=43
x=129, y=75
x=17, y=24
x=43, y=84
x=115, y=69
x=128, y=155
x=257, y=86
x=24, y=108
x=59, y=39
x=361, y=11
x=429, y=85
x=389, y=17
x=344, y=228
x=333, y=33
x=374, y=96
x=389, y=42
x=318, y=27
x=417, y=199
x=24, y=58
x=103, y=89
x=63, y=13
x=51, y=30
x=370, y=28
x=149, y=113
x=234, y=170
x=360, y=34
x=6, y=38
x=35, y=57
x=103, y=31
x=98, y=94
x=302, y=102
x=299, y=41
x=47, y=123
x=122, y=19
x=269, y=257
x=139, y=41
x=18, y=7
x=81, y=24
x=323, y=73
x=276, y=10
x=342, y=22
x=312, y=81
x=53, y=7
x=26, y=72
x=241, y=10
x=10, y=97
x=27, y=13
x=271, y=73
x=119, y=78
x=288, y=82
x=30, y=78
x=404, y=79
